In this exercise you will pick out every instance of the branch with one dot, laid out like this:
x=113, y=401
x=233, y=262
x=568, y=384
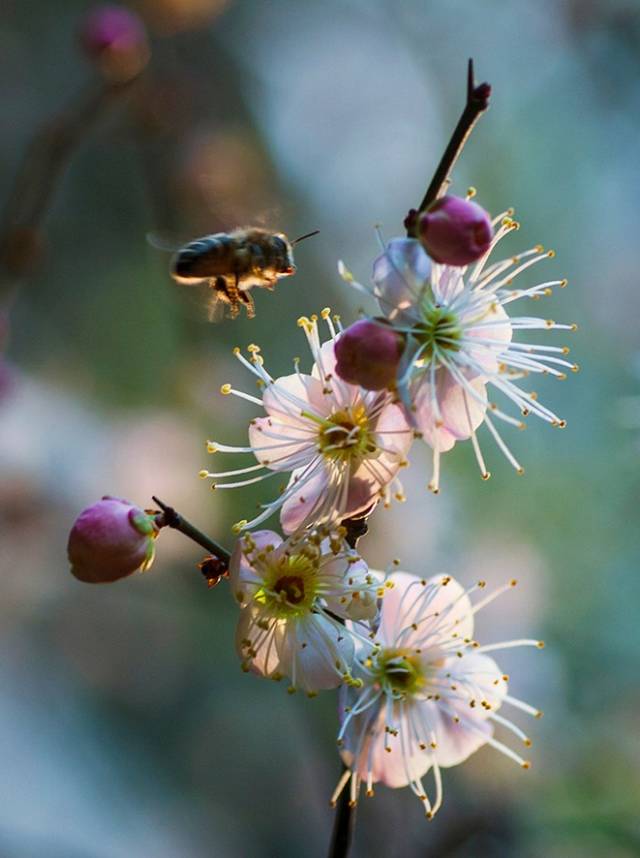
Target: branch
x=44, y=163
x=477, y=103
x=171, y=518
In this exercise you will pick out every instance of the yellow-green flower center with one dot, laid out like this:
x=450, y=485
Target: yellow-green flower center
x=290, y=586
x=345, y=435
x=400, y=671
x=439, y=328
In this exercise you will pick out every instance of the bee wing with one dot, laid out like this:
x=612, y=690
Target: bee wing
x=158, y=242
x=215, y=307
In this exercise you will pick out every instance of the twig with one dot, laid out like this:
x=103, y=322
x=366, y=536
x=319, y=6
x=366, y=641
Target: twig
x=345, y=815
x=477, y=102
x=171, y=518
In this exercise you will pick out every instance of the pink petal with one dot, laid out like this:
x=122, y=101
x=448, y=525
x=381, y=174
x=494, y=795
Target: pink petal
x=313, y=644
x=240, y=571
x=267, y=659
x=409, y=601
x=276, y=453
x=400, y=274
x=459, y=412
x=308, y=500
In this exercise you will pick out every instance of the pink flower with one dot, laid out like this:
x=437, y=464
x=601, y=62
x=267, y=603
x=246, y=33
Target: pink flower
x=110, y=540
x=460, y=342
x=290, y=593
x=342, y=445
x=430, y=695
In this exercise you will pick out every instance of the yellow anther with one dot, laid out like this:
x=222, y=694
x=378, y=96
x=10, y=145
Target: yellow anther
x=471, y=192
x=326, y=313
x=203, y=474
x=211, y=447
x=225, y=389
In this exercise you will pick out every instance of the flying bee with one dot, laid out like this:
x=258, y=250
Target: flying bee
x=232, y=263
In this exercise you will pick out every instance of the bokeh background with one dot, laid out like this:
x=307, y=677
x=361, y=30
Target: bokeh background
x=126, y=725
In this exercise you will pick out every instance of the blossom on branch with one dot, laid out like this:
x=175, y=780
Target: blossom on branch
x=429, y=694
x=343, y=445
x=294, y=596
x=459, y=341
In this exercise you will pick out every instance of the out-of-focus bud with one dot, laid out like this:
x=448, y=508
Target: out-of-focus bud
x=368, y=353
x=110, y=540
x=116, y=40
x=455, y=231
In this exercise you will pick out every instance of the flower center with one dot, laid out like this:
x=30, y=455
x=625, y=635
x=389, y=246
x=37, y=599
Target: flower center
x=400, y=671
x=440, y=329
x=290, y=586
x=345, y=435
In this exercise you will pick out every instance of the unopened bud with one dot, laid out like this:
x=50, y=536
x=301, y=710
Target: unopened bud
x=110, y=540
x=455, y=231
x=368, y=353
x=116, y=39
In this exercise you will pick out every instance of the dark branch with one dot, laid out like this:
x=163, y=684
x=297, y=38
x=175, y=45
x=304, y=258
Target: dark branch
x=477, y=102
x=169, y=517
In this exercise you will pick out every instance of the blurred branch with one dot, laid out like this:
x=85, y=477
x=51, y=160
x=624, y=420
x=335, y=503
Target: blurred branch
x=169, y=517
x=477, y=102
x=43, y=165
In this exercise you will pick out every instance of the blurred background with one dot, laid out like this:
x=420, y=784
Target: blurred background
x=126, y=725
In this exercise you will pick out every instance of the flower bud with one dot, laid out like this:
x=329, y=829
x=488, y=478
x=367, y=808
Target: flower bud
x=110, y=540
x=116, y=39
x=455, y=231
x=368, y=353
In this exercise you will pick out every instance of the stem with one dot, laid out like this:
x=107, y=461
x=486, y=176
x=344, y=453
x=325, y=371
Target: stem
x=477, y=103
x=171, y=518
x=345, y=818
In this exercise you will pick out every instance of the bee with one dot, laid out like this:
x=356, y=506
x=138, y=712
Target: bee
x=233, y=263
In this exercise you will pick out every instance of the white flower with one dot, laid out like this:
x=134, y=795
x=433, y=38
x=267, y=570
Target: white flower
x=292, y=593
x=459, y=341
x=343, y=445
x=430, y=692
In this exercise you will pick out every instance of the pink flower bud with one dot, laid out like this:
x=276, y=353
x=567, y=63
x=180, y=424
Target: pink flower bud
x=110, y=540
x=368, y=353
x=455, y=231
x=116, y=39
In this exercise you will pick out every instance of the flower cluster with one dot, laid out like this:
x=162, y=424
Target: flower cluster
x=458, y=336
x=418, y=692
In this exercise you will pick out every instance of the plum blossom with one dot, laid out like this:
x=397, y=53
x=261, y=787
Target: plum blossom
x=430, y=694
x=294, y=595
x=342, y=445
x=459, y=341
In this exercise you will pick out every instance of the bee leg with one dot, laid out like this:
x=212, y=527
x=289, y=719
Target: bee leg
x=249, y=306
x=229, y=293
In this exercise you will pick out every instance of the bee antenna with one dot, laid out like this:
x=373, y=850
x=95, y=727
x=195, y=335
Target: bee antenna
x=306, y=235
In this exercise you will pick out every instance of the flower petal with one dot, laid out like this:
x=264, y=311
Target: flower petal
x=400, y=275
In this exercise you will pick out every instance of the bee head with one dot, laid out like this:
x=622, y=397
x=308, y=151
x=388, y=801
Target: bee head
x=285, y=253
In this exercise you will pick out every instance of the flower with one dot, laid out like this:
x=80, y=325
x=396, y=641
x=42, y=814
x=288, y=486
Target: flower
x=455, y=231
x=429, y=694
x=342, y=444
x=116, y=39
x=459, y=341
x=368, y=353
x=110, y=540
x=292, y=593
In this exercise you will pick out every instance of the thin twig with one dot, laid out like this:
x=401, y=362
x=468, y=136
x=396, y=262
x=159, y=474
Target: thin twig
x=171, y=518
x=345, y=815
x=477, y=102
